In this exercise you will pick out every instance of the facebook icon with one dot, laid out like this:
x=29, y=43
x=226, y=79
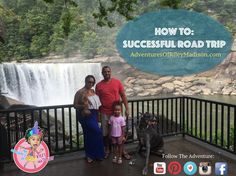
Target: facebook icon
x=221, y=168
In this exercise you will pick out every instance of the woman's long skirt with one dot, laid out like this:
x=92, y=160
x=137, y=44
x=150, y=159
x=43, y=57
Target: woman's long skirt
x=93, y=138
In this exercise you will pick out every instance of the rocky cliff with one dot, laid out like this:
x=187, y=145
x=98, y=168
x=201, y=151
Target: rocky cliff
x=220, y=80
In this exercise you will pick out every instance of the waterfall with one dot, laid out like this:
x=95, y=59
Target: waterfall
x=45, y=84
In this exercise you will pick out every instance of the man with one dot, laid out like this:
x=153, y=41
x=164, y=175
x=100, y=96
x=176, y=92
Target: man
x=110, y=90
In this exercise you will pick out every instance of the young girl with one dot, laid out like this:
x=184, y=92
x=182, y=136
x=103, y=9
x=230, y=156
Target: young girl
x=34, y=137
x=117, y=129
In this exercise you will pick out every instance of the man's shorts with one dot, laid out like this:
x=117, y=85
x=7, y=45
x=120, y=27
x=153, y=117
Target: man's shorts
x=104, y=122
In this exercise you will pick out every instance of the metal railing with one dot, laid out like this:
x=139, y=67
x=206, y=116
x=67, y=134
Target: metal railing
x=209, y=121
x=58, y=122
x=168, y=111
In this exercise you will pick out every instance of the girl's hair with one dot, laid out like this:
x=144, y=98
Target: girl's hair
x=116, y=103
x=88, y=77
x=36, y=130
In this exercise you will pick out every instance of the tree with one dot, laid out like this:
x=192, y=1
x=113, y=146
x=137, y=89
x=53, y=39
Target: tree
x=106, y=8
x=2, y=31
x=123, y=7
x=35, y=28
x=90, y=44
x=3, y=13
x=222, y=11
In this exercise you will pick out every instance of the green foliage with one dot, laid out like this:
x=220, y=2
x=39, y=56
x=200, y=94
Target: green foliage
x=90, y=44
x=216, y=139
x=39, y=45
x=222, y=11
x=174, y=4
x=232, y=138
x=49, y=1
x=35, y=28
x=57, y=39
x=66, y=22
x=3, y=14
x=2, y=31
x=28, y=30
x=123, y=7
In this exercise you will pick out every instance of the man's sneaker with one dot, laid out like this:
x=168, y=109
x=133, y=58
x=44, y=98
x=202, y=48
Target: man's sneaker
x=114, y=160
x=119, y=161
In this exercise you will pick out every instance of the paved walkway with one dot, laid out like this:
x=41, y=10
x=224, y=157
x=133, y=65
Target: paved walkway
x=74, y=164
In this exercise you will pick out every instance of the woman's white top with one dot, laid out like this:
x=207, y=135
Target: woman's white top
x=94, y=102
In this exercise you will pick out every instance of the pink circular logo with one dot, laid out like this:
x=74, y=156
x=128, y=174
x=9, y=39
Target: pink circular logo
x=28, y=159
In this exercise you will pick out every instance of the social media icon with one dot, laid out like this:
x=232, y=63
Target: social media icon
x=221, y=168
x=204, y=168
x=190, y=168
x=159, y=168
x=174, y=168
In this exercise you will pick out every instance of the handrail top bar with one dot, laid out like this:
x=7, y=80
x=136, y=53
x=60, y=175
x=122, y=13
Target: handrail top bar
x=211, y=101
x=130, y=100
x=38, y=108
x=176, y=97
x=153, y=98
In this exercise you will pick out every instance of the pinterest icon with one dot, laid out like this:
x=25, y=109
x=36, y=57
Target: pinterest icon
x=174, y=168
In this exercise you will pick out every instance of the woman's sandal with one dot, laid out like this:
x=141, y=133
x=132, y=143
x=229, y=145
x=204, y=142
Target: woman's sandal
x=89, y=160
x=126, y=156
x=114, y=160
x=107, y=154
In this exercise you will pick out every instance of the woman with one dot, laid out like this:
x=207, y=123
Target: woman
x=87, y=103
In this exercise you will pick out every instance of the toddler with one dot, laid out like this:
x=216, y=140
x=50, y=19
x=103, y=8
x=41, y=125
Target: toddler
x=117, y=129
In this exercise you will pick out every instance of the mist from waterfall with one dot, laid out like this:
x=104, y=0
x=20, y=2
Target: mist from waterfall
x=45, y=84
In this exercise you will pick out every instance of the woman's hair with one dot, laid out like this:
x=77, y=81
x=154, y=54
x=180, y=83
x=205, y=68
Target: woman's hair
x=88, y=77
x=36, y=130
x=116, y=103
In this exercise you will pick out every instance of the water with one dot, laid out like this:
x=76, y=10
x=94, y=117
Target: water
x=45, y=84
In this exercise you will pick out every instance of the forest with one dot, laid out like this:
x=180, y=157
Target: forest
x=36, y=28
